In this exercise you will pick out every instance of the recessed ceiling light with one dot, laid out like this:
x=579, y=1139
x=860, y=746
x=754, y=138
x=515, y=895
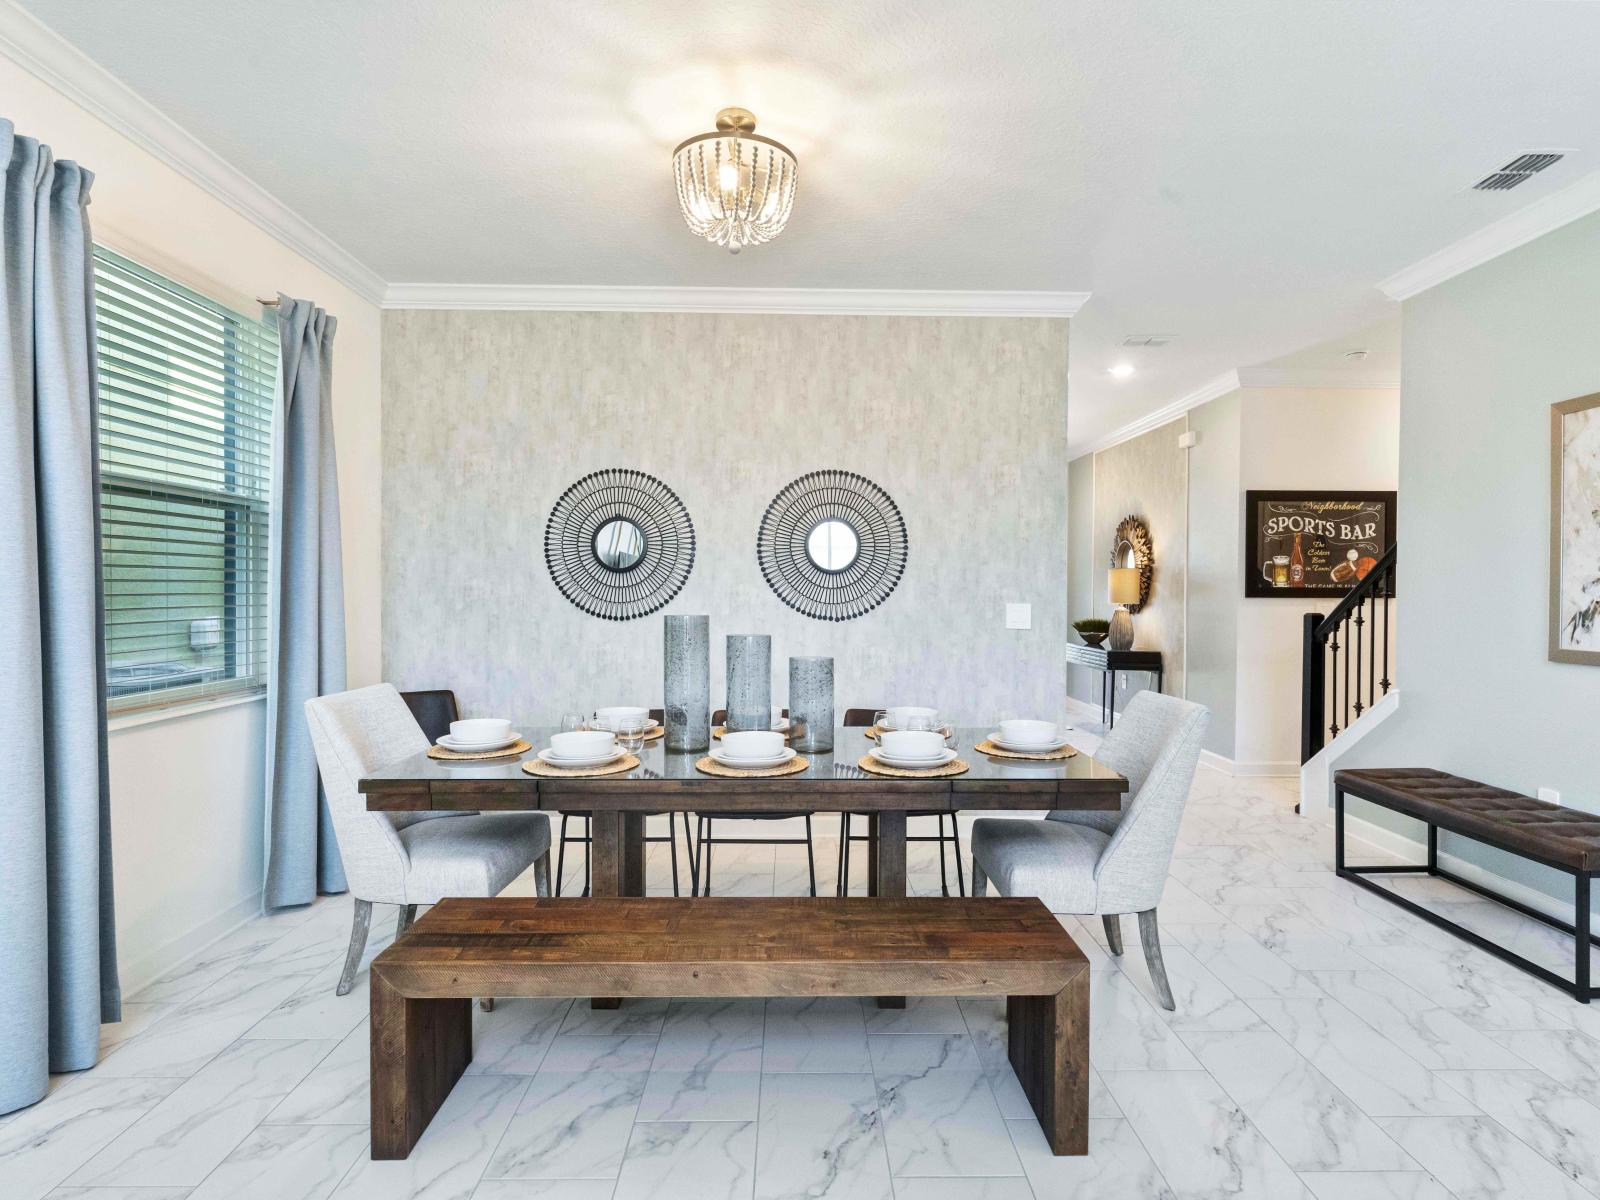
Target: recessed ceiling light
x=1122, y=370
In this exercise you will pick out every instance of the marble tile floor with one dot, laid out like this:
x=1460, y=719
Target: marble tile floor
x=1327, y=1046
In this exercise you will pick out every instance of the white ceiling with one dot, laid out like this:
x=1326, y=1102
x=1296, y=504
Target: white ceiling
x=1240, y=173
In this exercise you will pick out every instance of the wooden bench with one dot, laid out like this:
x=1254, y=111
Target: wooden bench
x=1563, y=838
x=724, y=946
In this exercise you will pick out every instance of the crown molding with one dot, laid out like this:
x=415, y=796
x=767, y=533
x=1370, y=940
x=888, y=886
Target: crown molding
x=42, y=52
x=1577, y=199
x=864, y=302
x=1316, y=377
x=1227, y=382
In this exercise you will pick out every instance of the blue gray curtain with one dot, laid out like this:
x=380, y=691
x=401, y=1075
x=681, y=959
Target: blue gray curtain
x=58, y=953
x=307, y=608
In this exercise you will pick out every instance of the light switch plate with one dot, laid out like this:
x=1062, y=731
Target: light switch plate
x=1550, y=795
x=1019, y=616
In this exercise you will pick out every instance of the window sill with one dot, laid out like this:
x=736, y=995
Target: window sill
x=172, y=712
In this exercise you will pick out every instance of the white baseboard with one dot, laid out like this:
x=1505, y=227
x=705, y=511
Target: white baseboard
x=137, y=973
x=1247, y=770
x=1416, y=851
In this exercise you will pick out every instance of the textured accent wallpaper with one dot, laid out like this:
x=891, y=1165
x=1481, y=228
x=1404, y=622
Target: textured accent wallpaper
x=488, y=416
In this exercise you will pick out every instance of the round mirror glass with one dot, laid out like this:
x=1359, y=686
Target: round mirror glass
x=832, y=546
x=619, y=544
x=1125, y=556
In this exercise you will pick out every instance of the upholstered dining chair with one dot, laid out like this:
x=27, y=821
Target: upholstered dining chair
x=1088, y=871
x=861, y=718
x=706, y=834
x=408, y=858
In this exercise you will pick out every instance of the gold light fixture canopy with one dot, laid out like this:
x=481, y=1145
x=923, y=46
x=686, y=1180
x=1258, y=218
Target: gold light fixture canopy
x=735, y=187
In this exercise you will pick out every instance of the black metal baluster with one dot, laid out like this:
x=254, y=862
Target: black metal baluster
x=1333, y=676
x=1388, y=599
x=1360, y=620
x=1346, y=624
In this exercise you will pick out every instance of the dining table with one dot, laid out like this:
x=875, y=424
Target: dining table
x=667, y=781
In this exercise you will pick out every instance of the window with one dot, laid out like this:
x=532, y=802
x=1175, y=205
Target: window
x=186, y=401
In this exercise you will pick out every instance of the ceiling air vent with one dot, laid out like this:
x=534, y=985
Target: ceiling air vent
x=1149, y=339
x=1519, y=170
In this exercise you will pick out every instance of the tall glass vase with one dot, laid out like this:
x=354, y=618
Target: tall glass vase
x=686, y=683
x=811, y=703
x=749, y=681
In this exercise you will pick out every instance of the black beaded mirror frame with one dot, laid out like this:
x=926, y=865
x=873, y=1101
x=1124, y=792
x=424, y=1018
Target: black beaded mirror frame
x=799, y=582
x=574, y=563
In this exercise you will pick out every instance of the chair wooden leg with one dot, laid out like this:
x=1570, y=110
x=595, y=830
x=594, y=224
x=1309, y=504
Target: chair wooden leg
x=541, y=874
x=358, y=943
x=403, y=919
x=1113, y=924
x=1151, y=937
x=419, y=1049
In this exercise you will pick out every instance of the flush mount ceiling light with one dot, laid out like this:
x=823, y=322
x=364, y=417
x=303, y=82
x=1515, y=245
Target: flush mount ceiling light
x=1122, y=370
x=735, y=188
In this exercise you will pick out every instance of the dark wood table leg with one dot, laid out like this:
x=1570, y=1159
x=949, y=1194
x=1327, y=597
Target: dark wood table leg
x=607, y=852
x=419, y=1049
x=1048, y=1039
x=872, y=854
x=889, y=873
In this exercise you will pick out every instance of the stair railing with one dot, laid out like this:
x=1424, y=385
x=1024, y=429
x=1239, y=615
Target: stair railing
x=1346, y=660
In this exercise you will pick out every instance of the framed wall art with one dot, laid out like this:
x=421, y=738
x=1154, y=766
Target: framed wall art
x=1314, y=543
x=1575, y=531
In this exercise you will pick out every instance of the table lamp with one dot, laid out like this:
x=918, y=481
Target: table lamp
x=1124, y=590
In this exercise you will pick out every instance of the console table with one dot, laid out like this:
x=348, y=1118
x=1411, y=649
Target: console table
x=1108, y=663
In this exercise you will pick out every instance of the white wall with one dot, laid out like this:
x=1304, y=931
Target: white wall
x=186, y=793
x=1298, y=438
x=1486, y=354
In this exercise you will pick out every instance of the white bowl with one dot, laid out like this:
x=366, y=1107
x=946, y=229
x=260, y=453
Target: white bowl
x=899, y=718
x=907, y=744
x=480, y=731
x=754, y=743
x=612, y=718
x=582, y=743
x=1029, y=733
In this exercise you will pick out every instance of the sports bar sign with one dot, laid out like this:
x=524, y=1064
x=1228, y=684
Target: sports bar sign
x=1314, y=543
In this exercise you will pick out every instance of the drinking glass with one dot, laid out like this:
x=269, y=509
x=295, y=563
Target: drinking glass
x=572, y=722
x=630, y=733
x=880, y=719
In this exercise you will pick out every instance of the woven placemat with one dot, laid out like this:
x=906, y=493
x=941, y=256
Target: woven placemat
x=711, y=766
x=537, y=766
x=873, y=766
x=520, y=746
x=988, y=747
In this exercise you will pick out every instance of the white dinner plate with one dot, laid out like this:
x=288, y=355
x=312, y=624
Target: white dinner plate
x=460, y=747
x=1045, y=748
x=912, y=764
x=594, y=760
x=753, y=764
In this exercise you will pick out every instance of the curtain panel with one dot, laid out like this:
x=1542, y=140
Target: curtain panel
x=307, y=585
x=58, y=959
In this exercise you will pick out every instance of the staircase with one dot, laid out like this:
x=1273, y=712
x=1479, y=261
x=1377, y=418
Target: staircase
x=1347, y=664
x=1347, y=667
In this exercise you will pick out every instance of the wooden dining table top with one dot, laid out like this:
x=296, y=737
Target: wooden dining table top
x=667, y=780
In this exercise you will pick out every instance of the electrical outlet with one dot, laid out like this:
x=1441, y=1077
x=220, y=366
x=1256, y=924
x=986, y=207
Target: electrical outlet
x=1550, y=795
x=1019, y=616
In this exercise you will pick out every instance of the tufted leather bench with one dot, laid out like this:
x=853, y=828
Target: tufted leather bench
x=1546, y=833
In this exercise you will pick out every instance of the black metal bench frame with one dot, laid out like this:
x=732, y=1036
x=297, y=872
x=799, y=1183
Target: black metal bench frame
x=1578, y=987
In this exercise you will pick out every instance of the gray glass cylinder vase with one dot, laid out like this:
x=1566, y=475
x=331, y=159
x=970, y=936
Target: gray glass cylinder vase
x=749, y=681
x=811, y=703
x=686, y=681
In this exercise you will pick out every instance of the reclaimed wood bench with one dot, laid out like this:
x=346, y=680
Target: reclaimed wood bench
x=1546, y=833
x=724, y=947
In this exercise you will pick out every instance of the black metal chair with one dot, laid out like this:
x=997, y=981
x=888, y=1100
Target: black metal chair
x=433, y=710
x=861, y=718
x=705, y=835
x=584, y=839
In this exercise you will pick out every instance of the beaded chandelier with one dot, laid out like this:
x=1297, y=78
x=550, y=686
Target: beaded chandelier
x=735, y=188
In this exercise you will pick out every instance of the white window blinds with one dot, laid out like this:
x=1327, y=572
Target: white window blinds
x=186, y=401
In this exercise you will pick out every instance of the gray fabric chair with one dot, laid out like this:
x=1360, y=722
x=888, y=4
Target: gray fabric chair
x=1113, y=866
x=408, y=858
